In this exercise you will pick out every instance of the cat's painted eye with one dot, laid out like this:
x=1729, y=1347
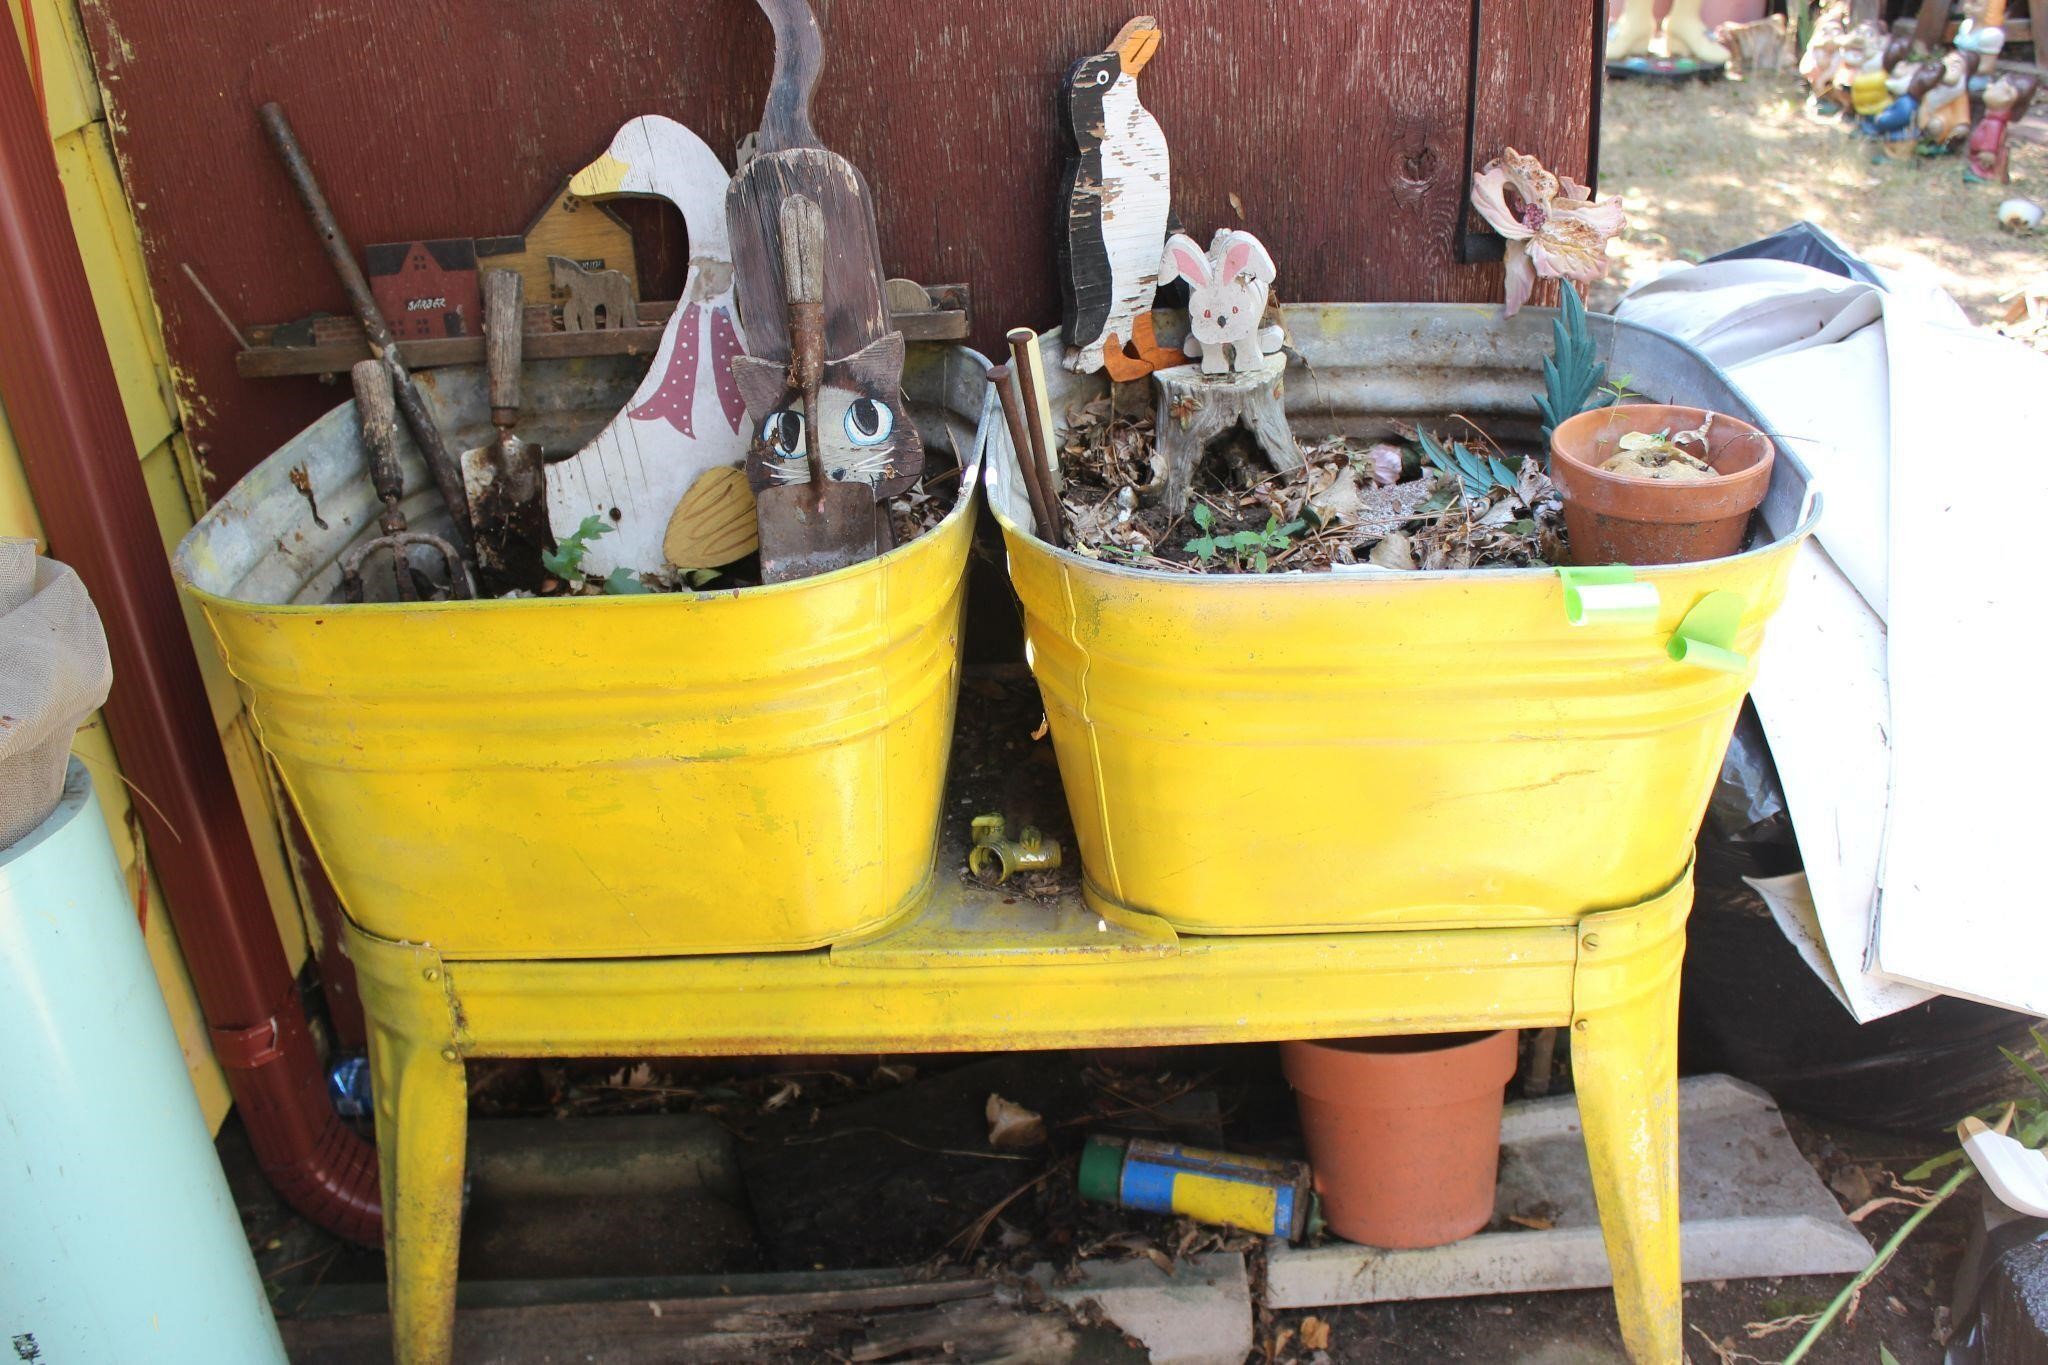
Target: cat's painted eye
x=1102, y=77
x=783, y=434
x=868, y=423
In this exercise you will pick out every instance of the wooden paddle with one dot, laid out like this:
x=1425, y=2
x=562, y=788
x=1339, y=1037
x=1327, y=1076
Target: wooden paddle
x=820, y=525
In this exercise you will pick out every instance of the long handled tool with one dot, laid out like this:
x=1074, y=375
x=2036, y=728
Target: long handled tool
x=1036, y=454
x=374, y=410
x=1002, y=379
x=822, y=524
x=447, y=471
x=503, y=480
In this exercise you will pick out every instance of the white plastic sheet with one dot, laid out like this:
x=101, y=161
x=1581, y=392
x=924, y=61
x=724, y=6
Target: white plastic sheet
x=1899, y=683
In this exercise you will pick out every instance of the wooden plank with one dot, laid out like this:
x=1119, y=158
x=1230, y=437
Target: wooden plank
x=338, y=342
x=1345, y=142
x=740, y=1327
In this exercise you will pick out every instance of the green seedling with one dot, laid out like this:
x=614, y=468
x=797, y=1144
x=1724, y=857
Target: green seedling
x=622, y=582
x=1247, y=547
x=565, y=561
x=1204, y=546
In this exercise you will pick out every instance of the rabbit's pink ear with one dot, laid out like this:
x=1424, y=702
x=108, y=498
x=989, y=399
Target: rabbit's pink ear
x=1189, y=262
x=1236, y=258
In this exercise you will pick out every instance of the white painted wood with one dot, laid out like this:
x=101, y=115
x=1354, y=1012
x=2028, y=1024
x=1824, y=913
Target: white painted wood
x=687, y=415
x=1126, y=186
x=1227, y=291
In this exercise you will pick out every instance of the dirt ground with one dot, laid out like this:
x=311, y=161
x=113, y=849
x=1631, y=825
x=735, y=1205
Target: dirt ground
x=1703, y=168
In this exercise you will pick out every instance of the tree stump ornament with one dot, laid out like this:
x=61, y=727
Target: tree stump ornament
x=1241, y=378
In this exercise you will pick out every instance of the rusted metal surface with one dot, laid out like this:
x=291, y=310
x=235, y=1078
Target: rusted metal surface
x=380, y=438
x=1347, y=144
x=383, y=345
x=66, y=415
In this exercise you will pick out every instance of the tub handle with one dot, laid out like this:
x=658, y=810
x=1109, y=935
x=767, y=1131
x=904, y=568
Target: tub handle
x=1706, y=637
x=1607, y=595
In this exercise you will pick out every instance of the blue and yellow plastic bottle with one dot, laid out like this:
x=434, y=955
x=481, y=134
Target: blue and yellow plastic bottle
x=1266, y=1195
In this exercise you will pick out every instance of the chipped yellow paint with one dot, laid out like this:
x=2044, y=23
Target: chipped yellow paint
x=963, y=985
x=17, y=508
x=69, y=92
x=113, y=264
x=128, y=318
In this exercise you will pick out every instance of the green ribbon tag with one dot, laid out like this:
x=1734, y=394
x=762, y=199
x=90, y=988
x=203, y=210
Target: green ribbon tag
x=1706, y=637
x=1607, y=595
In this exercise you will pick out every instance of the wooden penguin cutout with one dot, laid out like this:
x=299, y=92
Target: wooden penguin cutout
x=865, y=431
x=687, y=416
x=1116, y=198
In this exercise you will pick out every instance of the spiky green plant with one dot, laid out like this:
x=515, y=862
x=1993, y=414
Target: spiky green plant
x=1572, y=375
x=1477, y=475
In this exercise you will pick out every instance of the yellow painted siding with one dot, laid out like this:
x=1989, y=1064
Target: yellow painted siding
x=69, y=92
x=127, y=315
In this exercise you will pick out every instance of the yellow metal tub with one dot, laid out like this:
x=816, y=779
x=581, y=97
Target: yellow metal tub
x=1297, y=753
x=614, y=777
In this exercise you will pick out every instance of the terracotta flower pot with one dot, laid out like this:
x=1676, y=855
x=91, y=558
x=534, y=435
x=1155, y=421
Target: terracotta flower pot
x=1403, y=1133
x=1623, y=519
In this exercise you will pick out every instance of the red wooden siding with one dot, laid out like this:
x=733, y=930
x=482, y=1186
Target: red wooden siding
x=1340, y=125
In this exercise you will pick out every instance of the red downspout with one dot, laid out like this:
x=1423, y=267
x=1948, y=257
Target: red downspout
x=58, y=387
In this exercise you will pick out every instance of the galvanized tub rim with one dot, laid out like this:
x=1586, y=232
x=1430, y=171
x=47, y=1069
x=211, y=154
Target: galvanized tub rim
x=970, y=477
x=998, y=465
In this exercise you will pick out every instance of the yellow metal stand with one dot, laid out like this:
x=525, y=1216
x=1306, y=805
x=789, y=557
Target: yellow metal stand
x=973, y=974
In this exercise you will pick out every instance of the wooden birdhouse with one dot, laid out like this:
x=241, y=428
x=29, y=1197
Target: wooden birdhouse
x=587, y=233
x=426, y=289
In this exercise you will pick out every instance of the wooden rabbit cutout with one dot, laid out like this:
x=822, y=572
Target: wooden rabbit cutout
x=1227, y=293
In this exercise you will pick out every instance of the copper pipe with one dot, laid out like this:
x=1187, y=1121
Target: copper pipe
x=57, y=383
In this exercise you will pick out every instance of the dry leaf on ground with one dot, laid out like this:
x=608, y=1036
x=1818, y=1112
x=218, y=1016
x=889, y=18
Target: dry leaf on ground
x=1012, y=1126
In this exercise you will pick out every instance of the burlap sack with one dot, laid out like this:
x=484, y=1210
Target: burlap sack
x=54, y=672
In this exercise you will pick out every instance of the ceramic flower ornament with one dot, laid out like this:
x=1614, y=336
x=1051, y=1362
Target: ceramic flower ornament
x=1554, y=226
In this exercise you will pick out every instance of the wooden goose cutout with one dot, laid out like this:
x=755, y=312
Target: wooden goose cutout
x=687, y=417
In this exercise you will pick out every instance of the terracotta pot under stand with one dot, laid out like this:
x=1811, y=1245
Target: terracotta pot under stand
x=1625, y=519
x=1403, y=1132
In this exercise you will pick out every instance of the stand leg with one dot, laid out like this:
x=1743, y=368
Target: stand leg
x=1625, y=1068
x=422, y=1126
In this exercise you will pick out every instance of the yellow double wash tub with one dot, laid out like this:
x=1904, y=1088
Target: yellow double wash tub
x=1256, y=754
x=616, y=777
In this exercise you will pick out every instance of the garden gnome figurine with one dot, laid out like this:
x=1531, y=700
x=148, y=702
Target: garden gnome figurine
x=1981, y=36
x=1684, y=34
x=2005, y=103
x=1869, y=90
x=1824, y=53
x=1945, y=112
